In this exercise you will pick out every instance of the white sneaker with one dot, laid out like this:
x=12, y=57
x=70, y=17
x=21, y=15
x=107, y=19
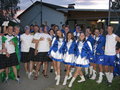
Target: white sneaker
x=18, y=80
x=29, y=75
x=6, y=79
x=82, y=79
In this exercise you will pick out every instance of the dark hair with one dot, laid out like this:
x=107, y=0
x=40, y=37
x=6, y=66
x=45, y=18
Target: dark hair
x=80, y=39
x=51, y=30
x=96, y=29
x=71, y=34
x=57, y=37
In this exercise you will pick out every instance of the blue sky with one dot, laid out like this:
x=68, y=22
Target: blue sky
x=80, y=4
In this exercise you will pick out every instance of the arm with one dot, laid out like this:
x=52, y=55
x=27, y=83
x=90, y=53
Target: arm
x=118, y=39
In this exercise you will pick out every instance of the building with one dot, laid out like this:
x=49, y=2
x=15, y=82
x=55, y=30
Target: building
x=42, y=12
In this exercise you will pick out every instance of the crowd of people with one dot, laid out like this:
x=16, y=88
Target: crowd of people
x=85, y=53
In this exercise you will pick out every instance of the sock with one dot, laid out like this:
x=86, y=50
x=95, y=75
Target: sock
x=71, y=82
x=91, y=70
x=111, y=77
x=65, y=80
x=107, y=76
x=51, y=67
x=86, y=71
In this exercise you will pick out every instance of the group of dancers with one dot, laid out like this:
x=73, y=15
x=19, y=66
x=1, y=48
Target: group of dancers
x=91, y=52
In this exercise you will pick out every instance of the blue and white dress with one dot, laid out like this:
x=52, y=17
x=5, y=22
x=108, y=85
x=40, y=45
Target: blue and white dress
x=98, y=50
x=69, y=55
x=57, y=49
x=83, y=50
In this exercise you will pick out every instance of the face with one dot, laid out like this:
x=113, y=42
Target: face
x=16, y=30
x=82, y=36
x=78, y=29
x=45, y=29
x=51, y=32
x=27, y=31
x=56, y=28
x=110, y=29
x=66, y=29
x=10, y=29
x=59, y=33
x=36, y=28
x=69, y=36
x=88, y=32
x=41, y=30
x=97, y=32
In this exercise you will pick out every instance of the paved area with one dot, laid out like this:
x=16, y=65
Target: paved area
x=30, y=84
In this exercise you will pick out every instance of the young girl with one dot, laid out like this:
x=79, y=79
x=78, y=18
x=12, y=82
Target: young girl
x=56, y=53
x=83, y=49
x=69, y=54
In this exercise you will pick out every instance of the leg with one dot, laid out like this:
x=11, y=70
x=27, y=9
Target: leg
x=46, y=67
x=1, y=70
x=94, y=72
x=67, y=73
x=74, y=77
x=81, y=76
x=100, y=74
x=58, y=73
x=31, y=69
x=26, y=67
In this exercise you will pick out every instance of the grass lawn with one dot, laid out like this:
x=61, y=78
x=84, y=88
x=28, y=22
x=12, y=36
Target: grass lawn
x=92, y=85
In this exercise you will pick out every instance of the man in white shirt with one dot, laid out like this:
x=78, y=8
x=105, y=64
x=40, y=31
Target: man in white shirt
x=42, y=48
x=26, y=41
x=110, y=52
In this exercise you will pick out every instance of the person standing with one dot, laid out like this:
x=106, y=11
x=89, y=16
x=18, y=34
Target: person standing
x=110, y=52
x=56, y=53
x=69, y=54
x=42, y=48
x=26, y=41
x=98, y=55
x=10, y=56
x=83, y=50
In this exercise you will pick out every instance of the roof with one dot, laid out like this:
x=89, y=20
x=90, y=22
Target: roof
x=55, y=7
x=98, y=10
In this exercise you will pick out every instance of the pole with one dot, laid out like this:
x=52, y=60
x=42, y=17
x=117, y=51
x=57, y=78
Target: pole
x=41, y=13
x=109, y=13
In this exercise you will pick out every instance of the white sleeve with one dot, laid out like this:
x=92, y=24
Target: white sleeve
x=53, y=40
x=36, y=36
x=89, y=44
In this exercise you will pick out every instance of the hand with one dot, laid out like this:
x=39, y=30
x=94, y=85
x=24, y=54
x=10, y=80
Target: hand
x=36, y=51
x=48, y=39
x=4, y=50
x=7, y=55
x=41, y=39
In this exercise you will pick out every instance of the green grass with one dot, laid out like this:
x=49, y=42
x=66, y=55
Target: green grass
x=92, y=85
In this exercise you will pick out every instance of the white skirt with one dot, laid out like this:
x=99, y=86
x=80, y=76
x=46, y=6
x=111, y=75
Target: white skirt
x=69, y=59
x=81, y=62
x=56, y=56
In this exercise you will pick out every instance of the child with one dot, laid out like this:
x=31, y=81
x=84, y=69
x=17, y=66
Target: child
x=84, y=49
x=56, y=53
x=69, y=54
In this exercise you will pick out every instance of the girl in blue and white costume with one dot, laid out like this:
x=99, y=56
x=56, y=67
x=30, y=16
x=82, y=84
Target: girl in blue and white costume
x=83, y=50
x=69, y=54
x=56, y=53
x=98, y=55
